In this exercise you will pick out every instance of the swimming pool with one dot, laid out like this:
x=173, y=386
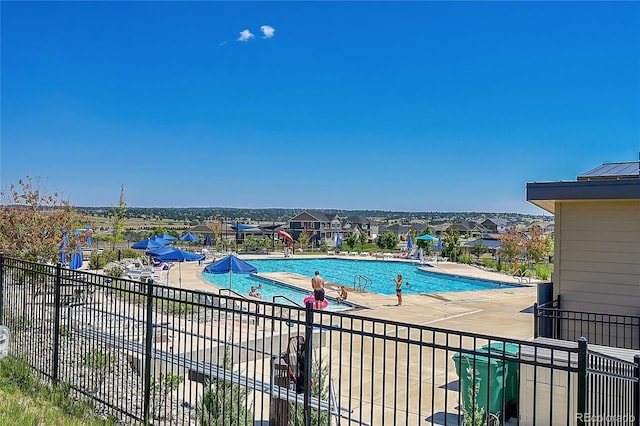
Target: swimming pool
x=242, y=284
x=381, y=274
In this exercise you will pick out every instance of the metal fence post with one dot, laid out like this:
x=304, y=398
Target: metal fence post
x=535, y=320
x=1, y=286
x=147, y=354
x=558, y=320
x=636, y=405
x=582, y=381
x=56, y=323
x=308, y=355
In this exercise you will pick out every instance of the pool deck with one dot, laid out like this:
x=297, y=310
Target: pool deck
x=505, y=312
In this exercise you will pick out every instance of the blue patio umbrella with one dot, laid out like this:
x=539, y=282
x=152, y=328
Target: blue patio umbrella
x=409, y=242
x=207, y=240
x=76, y=259
x=189, y=237
x=439, y=243
x=229, y=265
x=172, y=254
x=338, y=240
x=166, y=237
x=150, y=243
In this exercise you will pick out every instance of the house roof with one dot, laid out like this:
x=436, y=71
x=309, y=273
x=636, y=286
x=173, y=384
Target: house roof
x=490, y=243
x=314, y=216
x=610, y=181
x=497, y=221
x=201, y=228
x=357, y=219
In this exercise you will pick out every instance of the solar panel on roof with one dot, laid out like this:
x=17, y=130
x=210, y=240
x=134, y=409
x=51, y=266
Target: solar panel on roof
x=606, y=171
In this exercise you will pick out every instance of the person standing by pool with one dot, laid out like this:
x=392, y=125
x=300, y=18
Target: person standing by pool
x=317, y=282
x=398, y=282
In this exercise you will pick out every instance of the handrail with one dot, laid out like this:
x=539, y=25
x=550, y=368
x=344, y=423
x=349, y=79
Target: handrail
x=360, y=278
x=285, y=297
x=231, y=291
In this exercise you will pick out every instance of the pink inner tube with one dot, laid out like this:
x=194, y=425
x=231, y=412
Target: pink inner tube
x=311, y=299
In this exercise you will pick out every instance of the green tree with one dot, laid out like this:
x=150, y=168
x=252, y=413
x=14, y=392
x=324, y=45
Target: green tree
x=225, y=403
x=478, y=249
x=363, y=239
x=538, y=245
x=351, y=241
x=451, y=245
x=32, y=223
x=161, y=387
x=513, y=243
x=303, y=239
x=250, y=243
x=119, y=218
x=388, y=241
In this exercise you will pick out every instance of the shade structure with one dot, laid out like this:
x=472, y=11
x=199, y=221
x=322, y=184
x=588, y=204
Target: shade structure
x=189, y=237
x=285, y=235
x=426, y=237
x=166, y=237
x=172, y=254
x=150, y=243
x=242, y=226
x=409, y=242
x=229, y=265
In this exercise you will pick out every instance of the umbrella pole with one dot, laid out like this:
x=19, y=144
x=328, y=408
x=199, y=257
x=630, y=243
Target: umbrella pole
x=180, y=275
x=230, y=274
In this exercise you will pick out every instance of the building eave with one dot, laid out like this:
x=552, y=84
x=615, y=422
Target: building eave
x=546, y=194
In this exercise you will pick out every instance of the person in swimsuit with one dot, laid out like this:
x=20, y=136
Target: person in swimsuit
x=398, y=282
x=343, y=294
x=317, y=282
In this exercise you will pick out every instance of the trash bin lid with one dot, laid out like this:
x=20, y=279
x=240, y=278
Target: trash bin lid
x=505, y=348
x=479, y=359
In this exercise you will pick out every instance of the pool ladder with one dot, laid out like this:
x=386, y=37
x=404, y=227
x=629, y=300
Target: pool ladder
x=361, y=282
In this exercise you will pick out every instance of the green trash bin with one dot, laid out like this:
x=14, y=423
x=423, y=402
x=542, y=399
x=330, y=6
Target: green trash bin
x=485, y=392
x=509, y=350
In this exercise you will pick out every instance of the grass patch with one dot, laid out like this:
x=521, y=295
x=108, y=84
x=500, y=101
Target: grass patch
x=25, y=401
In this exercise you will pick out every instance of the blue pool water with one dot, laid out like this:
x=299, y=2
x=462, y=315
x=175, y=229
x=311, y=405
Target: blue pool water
x=342, y=271
x=242, y=284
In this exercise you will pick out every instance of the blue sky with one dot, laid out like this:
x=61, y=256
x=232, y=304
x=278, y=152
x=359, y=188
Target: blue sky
x=416, y=106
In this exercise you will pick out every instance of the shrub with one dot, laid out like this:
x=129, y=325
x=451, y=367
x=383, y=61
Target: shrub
x=465, y=258
x=115, y=271
x=543, y=271
x=490, y=263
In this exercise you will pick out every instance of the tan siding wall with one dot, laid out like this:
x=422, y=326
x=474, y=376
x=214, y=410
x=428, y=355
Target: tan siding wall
x=597, y=257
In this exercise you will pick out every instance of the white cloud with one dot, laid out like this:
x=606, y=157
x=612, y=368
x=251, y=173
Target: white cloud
x=245, y=35
x=268, y=31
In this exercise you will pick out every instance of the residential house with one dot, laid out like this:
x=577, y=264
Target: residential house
x=468, y=227
x=318, y=225
x=496, y=225
x=358, y=225
x=597, y=250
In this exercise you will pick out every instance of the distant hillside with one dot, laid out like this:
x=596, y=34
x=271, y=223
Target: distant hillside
x=193, y=216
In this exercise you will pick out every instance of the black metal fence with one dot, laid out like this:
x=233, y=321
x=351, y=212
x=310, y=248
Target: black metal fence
x=150, y=353
x=621, y=331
